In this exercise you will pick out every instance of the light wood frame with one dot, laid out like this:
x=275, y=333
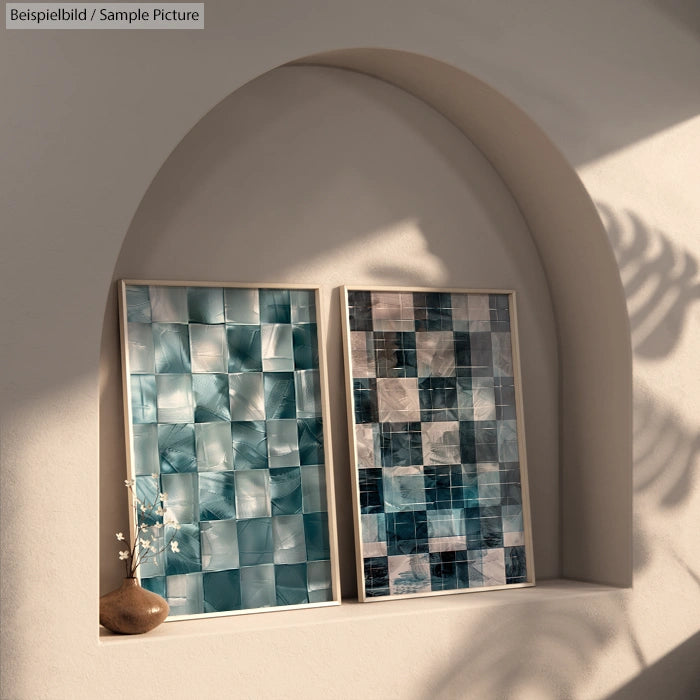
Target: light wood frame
x=325, y=416
x=520, y=427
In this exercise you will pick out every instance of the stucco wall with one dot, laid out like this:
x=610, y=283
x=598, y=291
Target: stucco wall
x=88, y=119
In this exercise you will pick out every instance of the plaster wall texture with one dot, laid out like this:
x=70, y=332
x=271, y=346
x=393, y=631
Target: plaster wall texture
x=88, y=118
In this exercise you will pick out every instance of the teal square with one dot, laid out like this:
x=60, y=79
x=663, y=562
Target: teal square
x=317, y=537
x=211, y=397
x=275, y=306
x=310, y=441
x=303, y=305
x=305, y=341
x=205, y=304
x=219, y=542
x=184, y=594
x=168, y=304
x=213, y=446
x=242, y=306
x=313, y=488
x=146, y=459
x=255, y=541
x=187, y=559
x=182, y=503
x=138, y=304
x=286, y=491
x=141, y=350
x=288, y=539
x=143, y=398
x=176, y=448
x=217, y=496
x=249, y=440
x=171, y=343
x=280, y=401
x=319, y=582
x=258, y=588
x=244, y=349
x=222, y=591
x=291, y=584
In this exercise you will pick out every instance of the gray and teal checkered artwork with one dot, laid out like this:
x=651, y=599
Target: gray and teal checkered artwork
x=436, y=442
x=225, y=399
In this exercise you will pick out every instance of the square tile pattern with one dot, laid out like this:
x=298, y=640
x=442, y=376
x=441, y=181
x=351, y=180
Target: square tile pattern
x=226, y=409
x=435, y=433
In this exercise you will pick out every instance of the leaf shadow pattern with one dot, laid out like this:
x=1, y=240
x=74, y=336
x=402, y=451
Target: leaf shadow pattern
x=666, y=451
x=534, y=651
x=661, y=281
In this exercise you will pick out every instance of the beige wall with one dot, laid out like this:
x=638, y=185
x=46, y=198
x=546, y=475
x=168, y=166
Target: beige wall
x=88, y=119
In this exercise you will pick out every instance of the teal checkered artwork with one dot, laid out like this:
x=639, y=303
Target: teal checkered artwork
x=438, y=468
x=224, y=388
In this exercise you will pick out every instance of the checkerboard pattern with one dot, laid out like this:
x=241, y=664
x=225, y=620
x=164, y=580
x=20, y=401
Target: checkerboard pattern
x=438, y=469
x=225, y=402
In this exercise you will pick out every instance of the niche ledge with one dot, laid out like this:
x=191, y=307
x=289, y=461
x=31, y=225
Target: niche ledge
x=353, y=612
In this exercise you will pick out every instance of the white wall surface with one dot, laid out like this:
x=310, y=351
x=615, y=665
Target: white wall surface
x=87, y=120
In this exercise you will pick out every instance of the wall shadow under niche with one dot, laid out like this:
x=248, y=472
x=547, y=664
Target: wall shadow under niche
x=314, y=175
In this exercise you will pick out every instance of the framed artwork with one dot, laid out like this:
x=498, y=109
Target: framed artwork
x=226, y=409
x=437, y=442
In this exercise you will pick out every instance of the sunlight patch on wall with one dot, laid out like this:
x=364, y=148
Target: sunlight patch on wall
x=397, y=254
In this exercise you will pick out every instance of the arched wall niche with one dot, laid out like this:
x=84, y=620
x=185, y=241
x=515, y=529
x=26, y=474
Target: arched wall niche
x=527, y=194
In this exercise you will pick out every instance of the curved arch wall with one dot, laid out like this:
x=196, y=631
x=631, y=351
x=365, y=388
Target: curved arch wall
x=321, y=176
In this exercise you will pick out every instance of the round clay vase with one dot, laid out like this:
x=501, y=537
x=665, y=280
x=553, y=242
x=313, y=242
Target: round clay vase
x=131, y=609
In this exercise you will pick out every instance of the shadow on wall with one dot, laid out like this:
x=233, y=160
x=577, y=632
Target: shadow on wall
x=661, y=282
x=539, y=651
x=681, y=665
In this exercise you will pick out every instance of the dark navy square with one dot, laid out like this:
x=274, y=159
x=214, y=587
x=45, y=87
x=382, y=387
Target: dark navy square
x=400, y=444
x=443, y=571
x=438, y=398
x=371, y=490
x=376, y=576
x=365, y=399
x=516, y=569
x=433, y=311
x=407, y=532
x=395, y=354
x=467, y=442
x=360, y=310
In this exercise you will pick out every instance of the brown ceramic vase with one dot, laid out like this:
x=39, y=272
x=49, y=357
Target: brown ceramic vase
x=131, y=609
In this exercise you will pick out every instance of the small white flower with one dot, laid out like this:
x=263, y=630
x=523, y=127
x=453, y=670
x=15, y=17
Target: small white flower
x=163, y=496
x=174, y=546
x=129, y=483
x=154, y=476
x=144, y=543
x=124, y=555
x=120, y=536
x=159, y=510
x=143, y=509
x=157, y=526
x=143, y=527
x=154, y=549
